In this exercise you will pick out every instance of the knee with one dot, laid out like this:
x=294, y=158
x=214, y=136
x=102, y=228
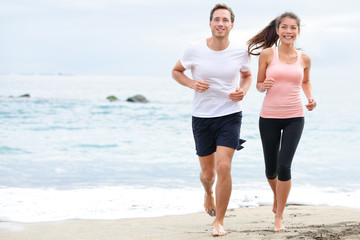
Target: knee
x=270, y=174
x=223, y=168
x=208, y=175
x=284, y=173
x=271, y=171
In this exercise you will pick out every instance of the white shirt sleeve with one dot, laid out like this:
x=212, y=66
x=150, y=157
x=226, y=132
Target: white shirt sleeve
x=245, y=65
x=187, y=58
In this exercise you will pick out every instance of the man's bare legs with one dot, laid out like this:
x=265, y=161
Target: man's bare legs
x=223, y=187
x=281, y=190
x=207, y=178
x=218, y=164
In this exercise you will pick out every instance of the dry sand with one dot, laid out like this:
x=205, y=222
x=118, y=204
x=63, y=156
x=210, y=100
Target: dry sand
x=302, y=222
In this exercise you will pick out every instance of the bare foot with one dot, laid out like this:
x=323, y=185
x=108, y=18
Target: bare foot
x=209, y=205
x=279, y=226
x=218, y=230
x=282, y=228
x=274, y=205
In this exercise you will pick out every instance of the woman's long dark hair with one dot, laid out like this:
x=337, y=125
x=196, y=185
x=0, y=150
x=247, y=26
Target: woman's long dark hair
x=268, y=36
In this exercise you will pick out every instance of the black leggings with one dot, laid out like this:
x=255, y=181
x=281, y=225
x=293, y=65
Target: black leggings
x=280, y=138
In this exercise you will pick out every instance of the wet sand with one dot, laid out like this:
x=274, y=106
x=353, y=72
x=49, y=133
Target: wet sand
x=302, y=222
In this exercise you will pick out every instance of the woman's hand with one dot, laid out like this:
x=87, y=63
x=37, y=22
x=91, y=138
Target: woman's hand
x=268, y=83
x=311, y=105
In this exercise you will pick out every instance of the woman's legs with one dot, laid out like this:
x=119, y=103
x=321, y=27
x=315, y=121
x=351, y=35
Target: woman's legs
x=282, y=193
x=280, y=159
x=273, y=186
x=290, y=139
x=270, y=134
x=281, y=190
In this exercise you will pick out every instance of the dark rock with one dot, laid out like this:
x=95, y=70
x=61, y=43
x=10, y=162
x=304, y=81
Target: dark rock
x=26, y=95
x=138, y=99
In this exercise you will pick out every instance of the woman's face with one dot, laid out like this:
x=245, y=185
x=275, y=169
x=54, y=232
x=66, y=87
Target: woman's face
x=288, y=30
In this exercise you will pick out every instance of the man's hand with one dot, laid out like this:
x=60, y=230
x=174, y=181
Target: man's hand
x=201, y=86
x=238, y=95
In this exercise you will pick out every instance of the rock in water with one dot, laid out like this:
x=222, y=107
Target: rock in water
x=112, y=98
x=137, y=98
x=26, y=95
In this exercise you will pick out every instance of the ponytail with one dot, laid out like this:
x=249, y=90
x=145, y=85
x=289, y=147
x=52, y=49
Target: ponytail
x=268, y=37
x=264, y=39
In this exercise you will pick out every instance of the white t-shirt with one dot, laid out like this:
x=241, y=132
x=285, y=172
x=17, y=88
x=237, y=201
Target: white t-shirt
x=221, y=69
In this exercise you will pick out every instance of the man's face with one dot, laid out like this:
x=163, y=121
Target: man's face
x=221, y=23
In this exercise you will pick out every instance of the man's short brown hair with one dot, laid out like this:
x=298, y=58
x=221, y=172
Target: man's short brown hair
x=222, y=6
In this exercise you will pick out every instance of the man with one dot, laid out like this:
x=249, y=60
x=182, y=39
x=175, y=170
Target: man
x=216, y=66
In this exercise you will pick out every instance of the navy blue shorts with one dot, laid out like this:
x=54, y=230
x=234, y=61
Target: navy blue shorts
x=218, y=131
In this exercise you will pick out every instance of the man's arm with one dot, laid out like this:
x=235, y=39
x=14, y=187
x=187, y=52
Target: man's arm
x=245, y=82
x=179, y=75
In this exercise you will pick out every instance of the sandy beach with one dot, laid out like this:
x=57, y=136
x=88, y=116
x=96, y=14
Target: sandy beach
x=302, y=222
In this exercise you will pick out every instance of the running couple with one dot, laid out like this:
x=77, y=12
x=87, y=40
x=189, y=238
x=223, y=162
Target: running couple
x=220, y=79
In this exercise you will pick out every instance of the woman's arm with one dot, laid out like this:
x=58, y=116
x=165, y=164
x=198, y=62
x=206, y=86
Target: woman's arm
x=265, y=59
x=306, y=84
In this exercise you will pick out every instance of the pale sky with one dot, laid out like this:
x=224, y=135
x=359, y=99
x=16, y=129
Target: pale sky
x=147, y=37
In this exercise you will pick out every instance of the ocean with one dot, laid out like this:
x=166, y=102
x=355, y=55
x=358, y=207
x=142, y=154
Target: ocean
x=66, y=152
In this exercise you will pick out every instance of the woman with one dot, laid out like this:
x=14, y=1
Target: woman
x=283, y=71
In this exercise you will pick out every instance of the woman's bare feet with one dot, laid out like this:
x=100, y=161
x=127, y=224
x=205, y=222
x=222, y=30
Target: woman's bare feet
x=274, y=205
x=279, y=226
x=209, y=205
x=218, y=230
x=282, y=228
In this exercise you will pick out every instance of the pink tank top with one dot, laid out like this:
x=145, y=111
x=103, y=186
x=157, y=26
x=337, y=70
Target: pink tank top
x=283, y=100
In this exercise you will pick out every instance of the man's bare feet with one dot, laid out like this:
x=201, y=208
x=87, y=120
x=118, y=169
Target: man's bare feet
x=218, y=230
x=209, y=205
x=279, y=226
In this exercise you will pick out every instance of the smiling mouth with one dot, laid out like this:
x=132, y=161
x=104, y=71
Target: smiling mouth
x=288, y=37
